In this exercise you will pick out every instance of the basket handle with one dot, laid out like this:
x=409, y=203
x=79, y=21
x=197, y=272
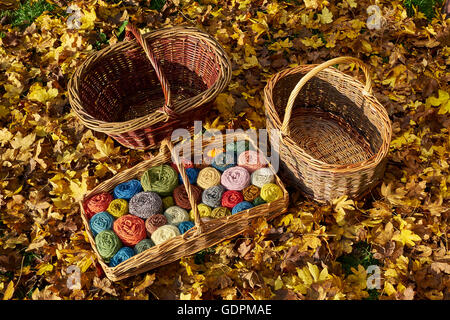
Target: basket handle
x=166, y=109
x=169, y=145
x=312, y=73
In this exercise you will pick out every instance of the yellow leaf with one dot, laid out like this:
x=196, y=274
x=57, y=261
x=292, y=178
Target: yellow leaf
x=407, y=237
x=225, y=103
x=445, y=108
x=38, y=93
x=389, y=289
x=352, y=3
x=106, y=148
x=313, y=42
x=340, y=205
x=326, y=16
x=278, y=283
x=9, y=291
x=311, y=4
x=314, y=270
x=44, y=268
x=437, y=101
x=88, y=18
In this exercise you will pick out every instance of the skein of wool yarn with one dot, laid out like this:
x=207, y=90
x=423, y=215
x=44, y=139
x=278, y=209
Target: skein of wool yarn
x=185, y=162
x=175, y=215
x=130, y=229
x=208, y=177
x=154, y=222
x=213, y=196
x=161, y=179
x=143, y=245
x=231, y=198
x=107, y=243
x=168, y=202
x=118, y=208
x=235, y=178
x=223, y=161
x=271, y=192
x=258, y=201
x=192, y=174
x=123, y=254
x=250, y=193
x=239, y=146
x=220, y=212
x=101, y=221
x=262, y=176
x=97, y=203
x=251, y=160
x=241, y=206
x=203, y=211
x=126, y=190
x=181, y=198
x=145, y=204
x=164, y=233
x=185, y=226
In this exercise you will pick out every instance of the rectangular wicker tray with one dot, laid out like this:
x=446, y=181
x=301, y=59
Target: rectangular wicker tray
x=189, y=243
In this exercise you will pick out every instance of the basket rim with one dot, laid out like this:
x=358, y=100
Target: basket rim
x=119, y=127
x=273, y=115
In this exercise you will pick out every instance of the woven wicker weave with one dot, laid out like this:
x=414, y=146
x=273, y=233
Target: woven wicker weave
x=202, y=236
x=139, y=91
x=334, y=135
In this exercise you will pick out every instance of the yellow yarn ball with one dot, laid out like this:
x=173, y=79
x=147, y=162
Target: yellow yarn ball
x=203, y=211
x=271, y=192
x=220, y=212
x=208, y=177
x=118, y=208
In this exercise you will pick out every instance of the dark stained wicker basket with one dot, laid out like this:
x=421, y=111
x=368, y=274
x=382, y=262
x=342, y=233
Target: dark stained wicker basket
x=138, y=92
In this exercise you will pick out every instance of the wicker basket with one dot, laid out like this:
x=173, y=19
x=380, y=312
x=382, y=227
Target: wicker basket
x=335, y=141
x=202, y=236
x=117, y=90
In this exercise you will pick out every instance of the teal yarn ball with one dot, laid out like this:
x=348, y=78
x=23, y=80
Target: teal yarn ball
x=241, y=206
x=192, y=174
x=223, y=161
x=258, y=201
x=185, y=226
x=143, y=245
x=238, y=147
x=123, y=254
x=101, y=221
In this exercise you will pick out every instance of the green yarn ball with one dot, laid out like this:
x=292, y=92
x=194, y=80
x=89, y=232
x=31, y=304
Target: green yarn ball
x=161, y=179
x=258, y=201
x=108, y=243
x=168, y=202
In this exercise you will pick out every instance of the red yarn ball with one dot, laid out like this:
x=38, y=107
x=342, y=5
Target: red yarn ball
x=97, y=203
x=231, y=198
x=130, y=229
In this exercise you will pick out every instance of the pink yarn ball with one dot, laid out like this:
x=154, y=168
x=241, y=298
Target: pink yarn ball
x=235, y=178
x=252, y=160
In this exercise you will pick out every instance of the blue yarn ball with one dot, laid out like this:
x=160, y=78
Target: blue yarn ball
x=185, y=226
x=127, y=190
x=101, y=221
x=241, y=206
x=223, y=161
x=192, y=174
x=123, y=254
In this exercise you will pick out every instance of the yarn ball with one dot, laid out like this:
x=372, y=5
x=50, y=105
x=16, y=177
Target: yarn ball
x=203, y=211
x=258, y=201
x=220, y=212
x=213, y=196
x=192, y=174
x=185, y=226
x=97, y=203
x=271, y=192
x=251, y=193
x=165, y=233
x=235, y=178
x=223, y=161
x=231, y=198
x=154, y=222
x=181, y=198
x=160, y=179
x=185, y=162
x=130, y=229
x=208, y=177
x=168, y=202
x=241, y=206
x=175, y=215
x=118, y=208
x=107, y=243
x=239, y=146
x=251, y=160
x=145, y=204
x=262, y=176
x=101, y=221
x=127, y=190
x=143, y=245
x=123, y=254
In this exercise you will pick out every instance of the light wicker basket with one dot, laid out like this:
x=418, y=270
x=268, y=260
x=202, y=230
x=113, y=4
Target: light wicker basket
x=138, y=92
x=333, y=134
x=205, y=233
